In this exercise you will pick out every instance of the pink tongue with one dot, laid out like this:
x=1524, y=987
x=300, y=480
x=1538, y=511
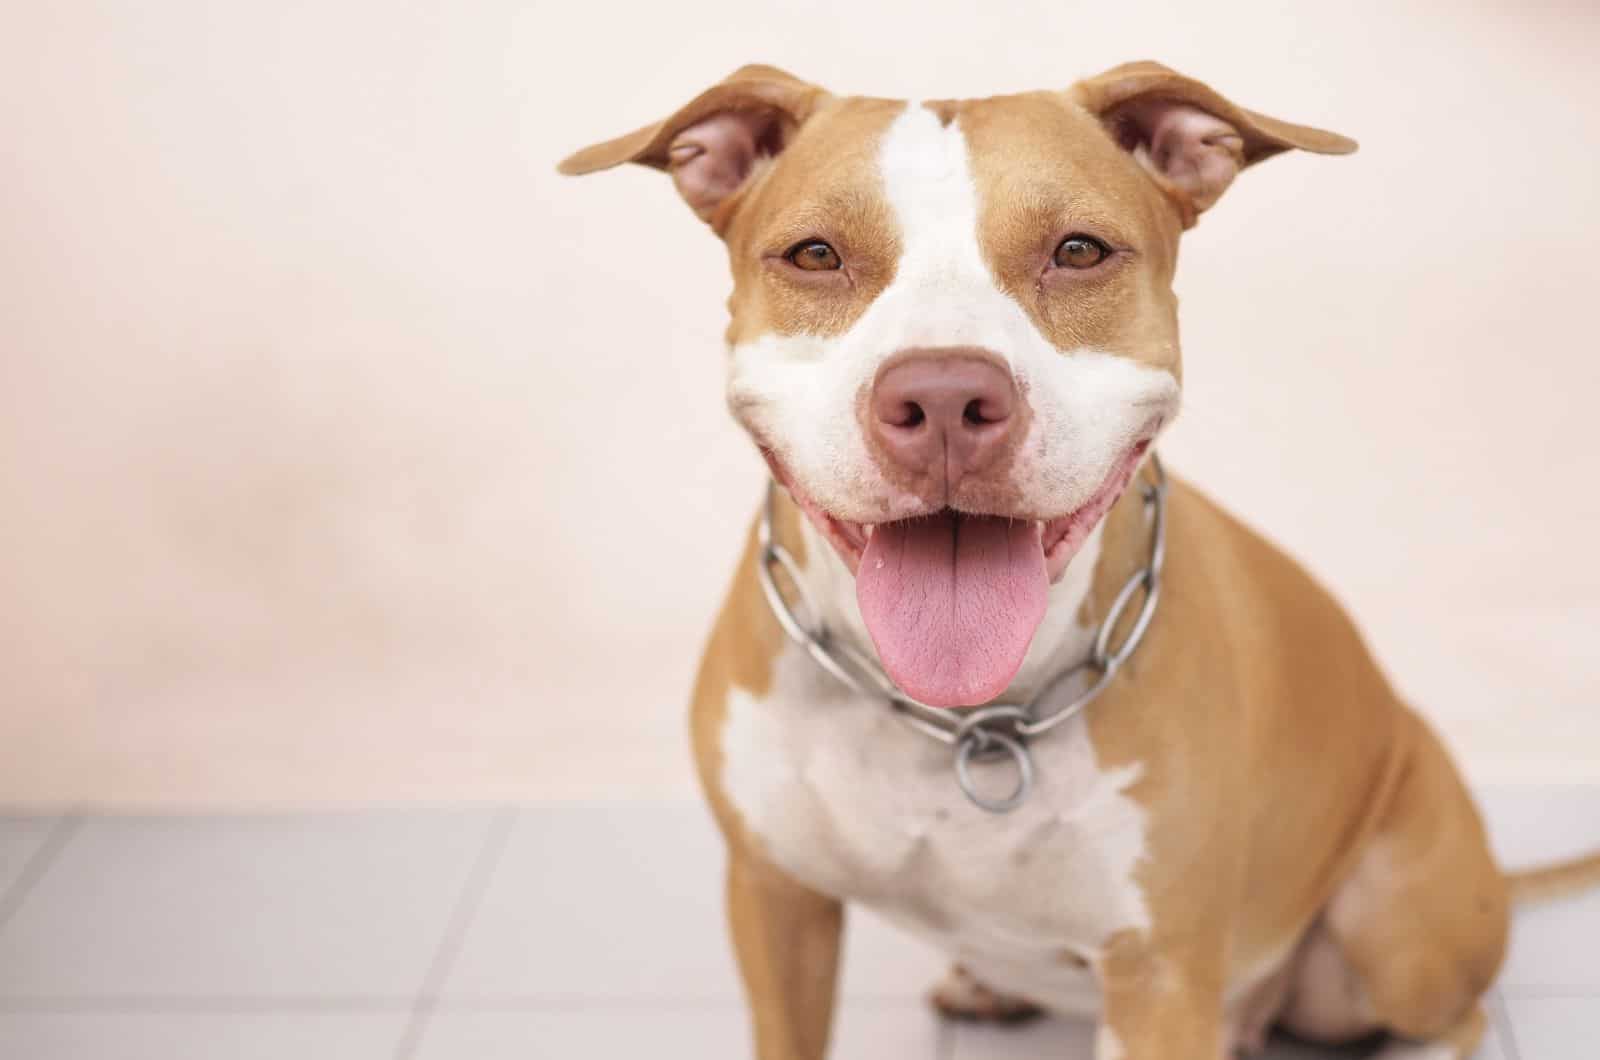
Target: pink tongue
x=952, y=602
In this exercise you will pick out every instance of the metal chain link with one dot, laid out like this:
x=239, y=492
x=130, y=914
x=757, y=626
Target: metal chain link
x=998, y=730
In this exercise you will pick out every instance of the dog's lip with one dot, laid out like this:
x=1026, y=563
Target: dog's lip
x=850, y=538
x=1063, y=536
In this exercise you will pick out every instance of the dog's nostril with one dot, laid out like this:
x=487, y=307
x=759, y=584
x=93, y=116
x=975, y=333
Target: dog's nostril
x=912, y=415
x=984, y=412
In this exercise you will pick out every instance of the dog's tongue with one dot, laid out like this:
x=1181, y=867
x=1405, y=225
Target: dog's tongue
x=952, y=602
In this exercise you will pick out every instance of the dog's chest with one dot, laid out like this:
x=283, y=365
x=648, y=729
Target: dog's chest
x=847, y=799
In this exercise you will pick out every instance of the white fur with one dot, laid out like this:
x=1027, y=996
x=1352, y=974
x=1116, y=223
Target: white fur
x=798, y=392
x=809, y=726
x=845, y=798
x=838, y=791
x=1107, y=1046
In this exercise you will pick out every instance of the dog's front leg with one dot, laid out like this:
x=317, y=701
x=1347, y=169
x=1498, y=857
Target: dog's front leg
x=787, y=940
x=1161, y=1004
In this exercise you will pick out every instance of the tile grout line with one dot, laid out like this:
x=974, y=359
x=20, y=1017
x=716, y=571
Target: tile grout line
x=38, y=864
x=1500, y=1019
x=466, y=909
x=205, y=1003
x=1546, y=992
x=578, y=1002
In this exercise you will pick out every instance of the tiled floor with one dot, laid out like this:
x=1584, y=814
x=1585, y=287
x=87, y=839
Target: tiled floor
x=532, y=933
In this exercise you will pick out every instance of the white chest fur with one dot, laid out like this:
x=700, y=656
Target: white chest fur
x=848, y=800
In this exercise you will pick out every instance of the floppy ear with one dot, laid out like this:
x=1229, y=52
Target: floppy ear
x=1190, y=139
x=712, y=144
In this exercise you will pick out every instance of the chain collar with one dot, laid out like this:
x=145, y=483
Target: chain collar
x=999, y=730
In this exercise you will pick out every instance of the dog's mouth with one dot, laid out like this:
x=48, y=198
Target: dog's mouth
x=952, y=599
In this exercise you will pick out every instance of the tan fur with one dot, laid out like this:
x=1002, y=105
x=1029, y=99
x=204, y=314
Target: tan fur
x=1461, y=1039
x=786, y=936
x=1312, y=856
x=1295, y=733
x=827, y=188
x=1045, y=170
x=787, y=941
x=1553, y=882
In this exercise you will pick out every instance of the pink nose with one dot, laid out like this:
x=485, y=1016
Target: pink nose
x=944, y=415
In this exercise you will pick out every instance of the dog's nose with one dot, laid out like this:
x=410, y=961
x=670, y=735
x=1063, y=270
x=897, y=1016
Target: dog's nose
x=945, y=415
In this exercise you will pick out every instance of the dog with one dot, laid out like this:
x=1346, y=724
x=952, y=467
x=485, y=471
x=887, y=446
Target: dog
x=985, y=670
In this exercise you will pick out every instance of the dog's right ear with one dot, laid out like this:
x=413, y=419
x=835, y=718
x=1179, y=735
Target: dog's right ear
x=713, y=144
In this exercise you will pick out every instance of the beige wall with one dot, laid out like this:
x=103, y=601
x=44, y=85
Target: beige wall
x=348, y=454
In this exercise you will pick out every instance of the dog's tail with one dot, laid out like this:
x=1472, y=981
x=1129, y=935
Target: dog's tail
x=1550, y=882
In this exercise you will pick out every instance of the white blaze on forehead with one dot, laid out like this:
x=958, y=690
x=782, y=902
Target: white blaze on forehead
x=1091, y=404
x=943, y=294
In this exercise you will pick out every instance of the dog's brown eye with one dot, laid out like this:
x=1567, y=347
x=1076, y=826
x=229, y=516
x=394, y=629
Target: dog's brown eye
x=814, y=256
x=1081, y=252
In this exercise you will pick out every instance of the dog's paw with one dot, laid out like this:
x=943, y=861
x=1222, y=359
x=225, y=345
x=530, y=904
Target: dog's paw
x=961, y=997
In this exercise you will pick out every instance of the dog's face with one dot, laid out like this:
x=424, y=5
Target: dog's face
x=953, y=329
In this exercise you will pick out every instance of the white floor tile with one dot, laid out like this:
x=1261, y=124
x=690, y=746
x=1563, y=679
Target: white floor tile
x=20, y=839
x=1529, y=826
x=602, y=903
x=1543, y=954
x=904, y=1030
x=601, y=1032
x=862, y=1031
x=601, y=932
x=1059, y=1039
x=1492, y=1047
x=199, y=1036
x=296, y=906
x=1564, y=1028
x=630, y=899
x=882, y=961
x=1533, y=824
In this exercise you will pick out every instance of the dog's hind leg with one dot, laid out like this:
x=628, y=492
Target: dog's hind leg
x=959, y=996
x=1413, y=937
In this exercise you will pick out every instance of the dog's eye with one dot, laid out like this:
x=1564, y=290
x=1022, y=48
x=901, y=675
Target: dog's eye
x=1081, y=252
x=814, y=256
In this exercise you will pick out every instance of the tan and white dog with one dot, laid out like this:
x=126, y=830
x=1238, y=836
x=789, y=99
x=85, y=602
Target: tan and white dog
x=954, y=339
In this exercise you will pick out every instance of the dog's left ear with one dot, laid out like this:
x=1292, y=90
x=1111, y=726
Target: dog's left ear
x=712, y=144
x=1191, y=140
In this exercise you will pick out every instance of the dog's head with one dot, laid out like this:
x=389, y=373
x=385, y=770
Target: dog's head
x=954, y=335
